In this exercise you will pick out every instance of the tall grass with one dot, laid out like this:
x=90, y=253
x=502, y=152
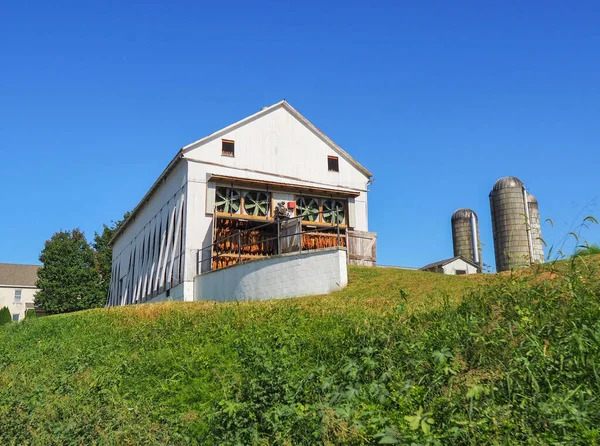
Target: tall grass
x=588, y=250
x=509, y=360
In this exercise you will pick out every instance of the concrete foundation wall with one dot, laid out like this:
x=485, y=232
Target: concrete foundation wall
x=287, y=275
x=176, y=294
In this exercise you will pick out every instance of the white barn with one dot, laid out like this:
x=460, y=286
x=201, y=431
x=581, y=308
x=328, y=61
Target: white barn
x=454, y=266
x=233, y=179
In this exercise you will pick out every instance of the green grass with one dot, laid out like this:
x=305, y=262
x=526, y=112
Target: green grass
x=399, y=356
x=588, y=250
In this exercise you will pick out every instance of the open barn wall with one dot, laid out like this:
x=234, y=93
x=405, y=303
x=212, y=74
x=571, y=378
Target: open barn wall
x=147, y=256
x=200, y=213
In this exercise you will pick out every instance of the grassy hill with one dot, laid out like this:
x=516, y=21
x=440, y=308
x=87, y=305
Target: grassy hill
x=398, y=357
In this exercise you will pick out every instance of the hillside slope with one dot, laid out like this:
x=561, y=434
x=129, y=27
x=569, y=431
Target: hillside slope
x=398, y=357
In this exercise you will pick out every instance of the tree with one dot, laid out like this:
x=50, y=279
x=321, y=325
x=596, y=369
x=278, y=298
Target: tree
x=69, y=279
x=5, y=316
x=30, y=314
x=104, y=251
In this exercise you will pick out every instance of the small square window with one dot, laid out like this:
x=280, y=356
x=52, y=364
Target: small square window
x=333, y=165
x=18, y=296
x=15, y=317
x=227, y=147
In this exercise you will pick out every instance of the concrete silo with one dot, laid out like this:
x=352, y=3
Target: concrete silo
x=513, y=226
x=536, y=229
x=465, y=236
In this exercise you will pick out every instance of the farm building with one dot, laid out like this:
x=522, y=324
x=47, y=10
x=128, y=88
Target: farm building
x=454, y=266
x=265, y=187
x=17, y=288
x=515, y=224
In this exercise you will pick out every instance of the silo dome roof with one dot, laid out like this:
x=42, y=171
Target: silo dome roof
x=531, y=198
x=463, y=213
x=505, y=182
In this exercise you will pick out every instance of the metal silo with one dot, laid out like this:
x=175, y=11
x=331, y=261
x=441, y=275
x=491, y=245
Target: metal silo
x=465, y=235
x=536, y=229
x=511, y=224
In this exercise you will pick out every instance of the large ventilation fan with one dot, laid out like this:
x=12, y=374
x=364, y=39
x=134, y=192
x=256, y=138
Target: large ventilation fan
x=256, y=203
x=307, y=208
x=227, y=200
x=333, y=212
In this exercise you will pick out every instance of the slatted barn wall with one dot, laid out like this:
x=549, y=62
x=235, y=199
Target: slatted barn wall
x=154, y=259
x=362, y=248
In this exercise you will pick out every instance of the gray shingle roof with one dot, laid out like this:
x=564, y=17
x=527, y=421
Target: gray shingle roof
x=18, y=275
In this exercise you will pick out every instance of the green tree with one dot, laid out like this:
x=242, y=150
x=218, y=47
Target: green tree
x=69, y=279
x=30, y=314
x=104, y=251
x=5, y=316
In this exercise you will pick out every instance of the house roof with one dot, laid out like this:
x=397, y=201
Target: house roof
x=18, y=275
x=446, y=261
x=264, y=111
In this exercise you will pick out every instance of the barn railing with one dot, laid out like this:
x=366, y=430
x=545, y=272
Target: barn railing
x=290, y=235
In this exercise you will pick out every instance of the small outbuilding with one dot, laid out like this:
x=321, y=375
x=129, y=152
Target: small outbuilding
x=455, y=266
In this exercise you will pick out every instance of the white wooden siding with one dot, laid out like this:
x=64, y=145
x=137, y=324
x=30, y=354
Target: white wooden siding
x=459, y=264
x=280, y=145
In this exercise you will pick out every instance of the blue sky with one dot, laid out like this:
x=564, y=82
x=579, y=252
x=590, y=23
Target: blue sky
x=437, y=99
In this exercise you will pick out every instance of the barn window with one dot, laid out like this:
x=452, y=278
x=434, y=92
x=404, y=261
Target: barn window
x=333, y=165
x=227, y=147
x=460, y=272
